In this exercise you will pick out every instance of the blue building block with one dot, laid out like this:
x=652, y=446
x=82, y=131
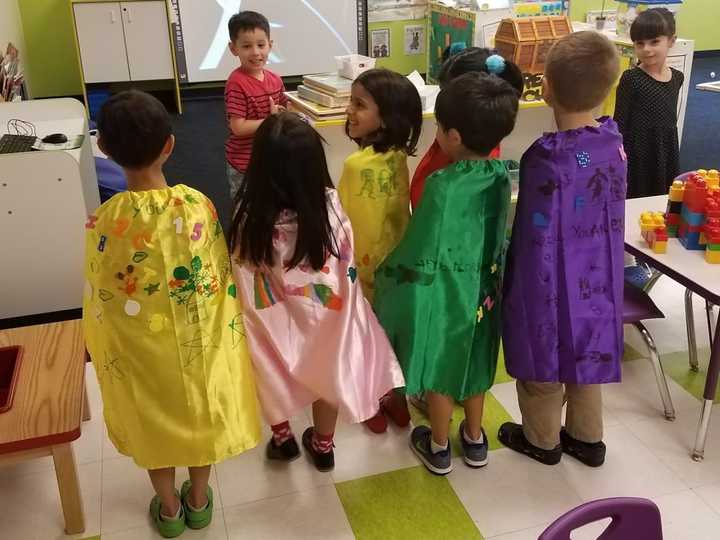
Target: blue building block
x=694, y=219
x=691, y=241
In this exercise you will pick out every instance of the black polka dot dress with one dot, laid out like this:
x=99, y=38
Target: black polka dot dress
x=646, y=114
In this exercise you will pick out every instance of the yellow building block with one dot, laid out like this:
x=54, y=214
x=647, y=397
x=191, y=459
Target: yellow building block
x=713, y=257
x=677, y=191
x=659, y=246
x=713, y=179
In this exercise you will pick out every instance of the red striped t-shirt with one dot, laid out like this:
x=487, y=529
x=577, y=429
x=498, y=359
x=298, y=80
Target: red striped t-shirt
x=247, y=97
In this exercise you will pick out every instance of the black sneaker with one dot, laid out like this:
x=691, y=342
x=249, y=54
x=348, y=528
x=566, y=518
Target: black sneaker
x=475, y=455
x=287, y=451
x=591, y=454
x=512, y=436
x=440, y=463
x=323, y=462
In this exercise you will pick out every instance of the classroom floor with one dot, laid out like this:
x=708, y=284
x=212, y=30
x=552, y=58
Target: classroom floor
x=378, y=490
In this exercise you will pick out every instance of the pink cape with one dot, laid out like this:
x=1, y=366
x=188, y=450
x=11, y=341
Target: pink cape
x=312, y=335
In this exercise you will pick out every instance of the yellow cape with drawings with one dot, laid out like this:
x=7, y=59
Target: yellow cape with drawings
x=165, y=331
x=375, y=192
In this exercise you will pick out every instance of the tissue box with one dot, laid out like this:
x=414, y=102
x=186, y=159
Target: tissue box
x=352, y=65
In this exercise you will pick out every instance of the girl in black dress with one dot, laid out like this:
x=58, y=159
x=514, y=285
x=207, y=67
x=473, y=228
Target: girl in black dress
x=646, y=106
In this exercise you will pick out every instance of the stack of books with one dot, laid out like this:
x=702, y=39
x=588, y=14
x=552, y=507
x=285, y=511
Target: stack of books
x=322, y=97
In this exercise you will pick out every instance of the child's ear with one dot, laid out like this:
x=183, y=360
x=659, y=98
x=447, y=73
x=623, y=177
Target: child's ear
x=672, y=41
x=270, y=44
x=454, y=136
x=546, y=91
x=101, y=145
x=232, y=48
x=169, y=146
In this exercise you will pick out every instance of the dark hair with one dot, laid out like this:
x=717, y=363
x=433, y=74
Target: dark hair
x=581, y=69
x=287, y=171
x=134, y=127
x=247, y=21
x=400, y=110
x=653, y=23
x=481, y=107
x=475, y=59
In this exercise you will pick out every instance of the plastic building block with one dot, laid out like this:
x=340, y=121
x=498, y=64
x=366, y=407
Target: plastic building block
x=676, y=191
x=711, y=256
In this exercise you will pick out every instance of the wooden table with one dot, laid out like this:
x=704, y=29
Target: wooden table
x=47, y=409
x=690, y=269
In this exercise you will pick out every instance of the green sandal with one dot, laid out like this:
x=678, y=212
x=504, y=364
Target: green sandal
x=168, y=528
x=196, y=519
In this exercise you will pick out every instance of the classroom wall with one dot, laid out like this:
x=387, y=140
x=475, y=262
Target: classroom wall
x=399, y=61
x=50, y=59
x=698, y=20
x=52, y=68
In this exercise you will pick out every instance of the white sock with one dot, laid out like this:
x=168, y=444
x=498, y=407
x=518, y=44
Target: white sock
x=170, y=518
x=435, y=448
x=471, y=441
x=203, y=507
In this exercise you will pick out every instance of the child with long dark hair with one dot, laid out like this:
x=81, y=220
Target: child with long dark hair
x=384, y=118
x=313, y=337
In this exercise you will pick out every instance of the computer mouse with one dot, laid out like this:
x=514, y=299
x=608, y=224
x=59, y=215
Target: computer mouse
x=55, y=138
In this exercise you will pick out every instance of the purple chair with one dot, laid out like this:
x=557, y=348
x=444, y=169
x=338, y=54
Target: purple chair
x=632, y=519
x=638, y=307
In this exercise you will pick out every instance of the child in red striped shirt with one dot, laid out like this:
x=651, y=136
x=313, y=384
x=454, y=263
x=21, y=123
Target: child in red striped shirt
x=252, y=93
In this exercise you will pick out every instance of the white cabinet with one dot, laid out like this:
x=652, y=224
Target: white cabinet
x=123, y=41
x=102, y=42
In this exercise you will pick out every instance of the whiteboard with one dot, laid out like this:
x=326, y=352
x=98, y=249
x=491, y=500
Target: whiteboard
x=307, y=34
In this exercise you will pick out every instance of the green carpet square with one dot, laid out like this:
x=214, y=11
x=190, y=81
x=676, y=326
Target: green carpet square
x=677, y=366
x=407, y=503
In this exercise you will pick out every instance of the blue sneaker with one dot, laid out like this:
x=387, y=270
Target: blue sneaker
x=475, y=455
x=440, y=463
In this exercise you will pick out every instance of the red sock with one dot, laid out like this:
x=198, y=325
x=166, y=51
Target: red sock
x=281, y=432
x=322, y=444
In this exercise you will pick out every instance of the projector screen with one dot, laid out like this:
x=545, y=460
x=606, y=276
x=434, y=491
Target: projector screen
x=307, y=34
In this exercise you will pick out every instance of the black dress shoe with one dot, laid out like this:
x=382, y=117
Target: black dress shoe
x=512, y=436
x=323, y=462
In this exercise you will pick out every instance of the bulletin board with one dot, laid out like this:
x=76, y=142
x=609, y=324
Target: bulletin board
x=446, y=26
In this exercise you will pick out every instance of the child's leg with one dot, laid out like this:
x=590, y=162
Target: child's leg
x=539, y=435
x=582, y=437
x=431, y=445
x=318, y=440
x=584, y=412
x=324, y=418
x=440, y=408
x=472, y=437
x=473, y=416
x=199, y=478
x=163, y=481
x=541, y=407
x=282, y=446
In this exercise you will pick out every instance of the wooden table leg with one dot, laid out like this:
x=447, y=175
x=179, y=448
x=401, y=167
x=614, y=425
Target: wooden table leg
x=86, y=414
x=69, y=488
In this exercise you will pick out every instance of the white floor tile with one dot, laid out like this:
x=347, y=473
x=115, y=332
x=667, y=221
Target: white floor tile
x=127, y=492
x=313, y=514
x=630, y=470
x=359, y=452
x=685, y=516
x=672, y=443
x=31, y=505
x=215, y=531
x=670, y=333
x=711, y=495
x=512, y=493
x=251, y=477
x=506, y=394
x=638, y=398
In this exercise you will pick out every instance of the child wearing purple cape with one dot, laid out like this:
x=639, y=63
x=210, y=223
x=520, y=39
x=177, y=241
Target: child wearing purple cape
x=563, y=286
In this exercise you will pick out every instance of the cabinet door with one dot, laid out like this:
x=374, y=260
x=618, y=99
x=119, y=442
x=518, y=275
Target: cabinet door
x=148, y=40
x=102, y=43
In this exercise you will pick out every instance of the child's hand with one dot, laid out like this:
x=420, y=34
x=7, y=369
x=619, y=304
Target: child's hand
x=274, y=109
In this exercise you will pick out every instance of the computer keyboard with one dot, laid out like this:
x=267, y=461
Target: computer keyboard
x=12, y=144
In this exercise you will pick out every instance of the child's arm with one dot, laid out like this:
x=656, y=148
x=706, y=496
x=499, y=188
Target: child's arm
x=623, y=102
